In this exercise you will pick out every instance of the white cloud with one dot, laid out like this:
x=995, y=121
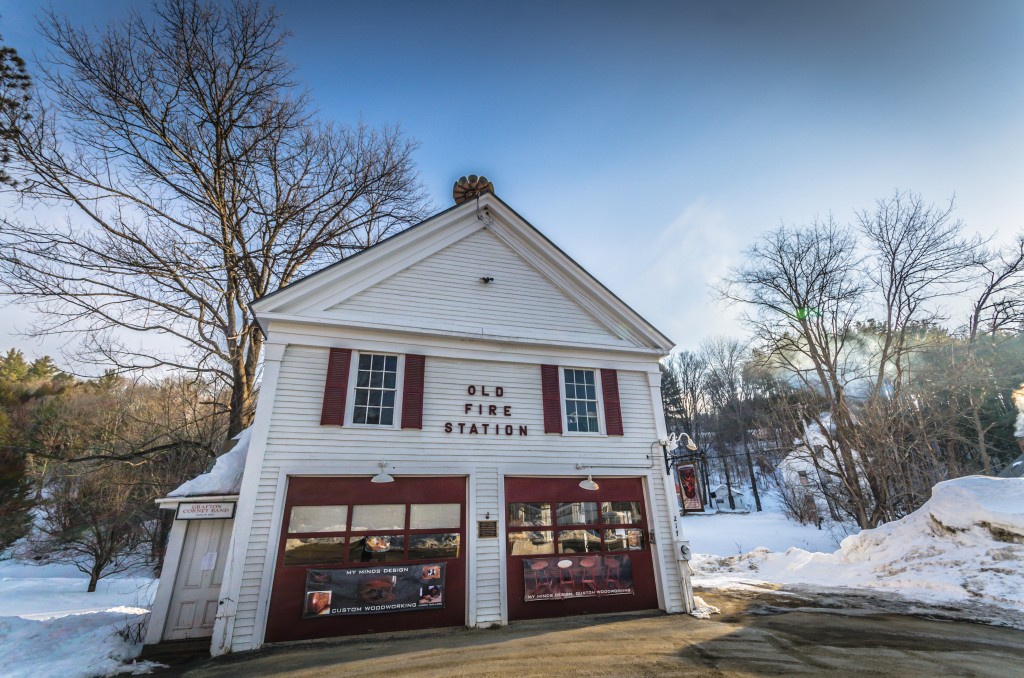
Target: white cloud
x=695, y=250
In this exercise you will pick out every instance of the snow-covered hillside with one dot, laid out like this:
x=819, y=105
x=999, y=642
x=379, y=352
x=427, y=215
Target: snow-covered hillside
x=964, y=546
x=725, y=534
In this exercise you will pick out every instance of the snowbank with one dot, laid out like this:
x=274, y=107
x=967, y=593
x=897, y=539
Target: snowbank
x=966, y=544
x=77, y=645
x=226, y=475
x=50, y=625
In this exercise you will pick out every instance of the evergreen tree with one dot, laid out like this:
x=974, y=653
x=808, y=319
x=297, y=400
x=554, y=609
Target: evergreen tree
x=13, y=367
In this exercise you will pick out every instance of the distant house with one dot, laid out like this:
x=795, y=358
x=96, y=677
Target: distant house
x=740, y=498
x=1015, y=469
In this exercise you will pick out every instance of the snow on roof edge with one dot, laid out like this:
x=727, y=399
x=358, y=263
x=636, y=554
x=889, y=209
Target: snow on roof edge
x=226, y=475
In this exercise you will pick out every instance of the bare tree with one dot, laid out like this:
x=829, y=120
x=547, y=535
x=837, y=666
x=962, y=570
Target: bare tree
x=804, y=289
x=92, y=520
x=196, y=179
x=999, y=304
x=918, y=254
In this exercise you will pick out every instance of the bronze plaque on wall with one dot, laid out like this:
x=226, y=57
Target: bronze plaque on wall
x=487, y=529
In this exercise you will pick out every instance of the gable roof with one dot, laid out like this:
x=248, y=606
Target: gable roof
x=307, y=299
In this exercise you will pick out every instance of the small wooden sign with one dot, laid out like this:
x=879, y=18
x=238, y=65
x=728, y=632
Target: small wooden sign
x=210, y=510
x=487, y=529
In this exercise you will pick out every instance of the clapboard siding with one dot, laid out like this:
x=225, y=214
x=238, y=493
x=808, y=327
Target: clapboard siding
x=445, y=292
x=297, y=441
x=488, y=566
x=295, y=432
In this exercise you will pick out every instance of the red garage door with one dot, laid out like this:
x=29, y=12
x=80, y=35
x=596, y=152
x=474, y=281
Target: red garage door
x=574, y=551
x=358, y=557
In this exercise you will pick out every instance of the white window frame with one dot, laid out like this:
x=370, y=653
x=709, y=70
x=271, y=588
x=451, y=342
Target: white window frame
x=350, y=400
x=600, y=432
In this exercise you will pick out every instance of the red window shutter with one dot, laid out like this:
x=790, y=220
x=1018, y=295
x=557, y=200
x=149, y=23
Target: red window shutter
x=336, y=387
x=412, y=392
x=612, y=408
x=552, y=399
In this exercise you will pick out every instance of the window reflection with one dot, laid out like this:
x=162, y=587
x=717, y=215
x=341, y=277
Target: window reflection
x=431, y=546
x=578, y=541
x=620, y=512
x=578, y=513
x=529, y=514
x=624, y=539
x=314, y=551
x=377, y=548
x=531, y=543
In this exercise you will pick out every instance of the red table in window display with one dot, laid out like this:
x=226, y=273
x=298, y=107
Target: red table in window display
x=597, y=557
x=612, y=570
x=588, y=576
x=565, y=576
x=540, y=576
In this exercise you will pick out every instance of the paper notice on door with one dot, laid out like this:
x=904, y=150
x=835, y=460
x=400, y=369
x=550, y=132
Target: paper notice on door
x=208, y=562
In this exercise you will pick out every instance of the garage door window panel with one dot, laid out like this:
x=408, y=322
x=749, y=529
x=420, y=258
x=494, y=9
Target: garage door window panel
x=317, y=519
x=531, y=543
x=378, y=517
x=435, y=516
x=314, y=551
x=580, y=527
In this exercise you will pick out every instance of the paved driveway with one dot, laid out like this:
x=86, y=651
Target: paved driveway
x=755, y=635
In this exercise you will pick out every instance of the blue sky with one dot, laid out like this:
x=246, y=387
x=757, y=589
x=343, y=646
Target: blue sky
x=655, y=141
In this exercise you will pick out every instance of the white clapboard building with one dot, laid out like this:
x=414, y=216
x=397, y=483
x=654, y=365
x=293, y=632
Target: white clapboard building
x=459, y=426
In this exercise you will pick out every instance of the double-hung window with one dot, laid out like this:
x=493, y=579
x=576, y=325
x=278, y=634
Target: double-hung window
x=581, y=403
x=376, y=387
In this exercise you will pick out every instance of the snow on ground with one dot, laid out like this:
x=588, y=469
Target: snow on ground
x=964, y=547
x=725, y=534
x=50, y=625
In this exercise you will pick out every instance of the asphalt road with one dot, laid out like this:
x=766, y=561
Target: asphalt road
x=757, y=634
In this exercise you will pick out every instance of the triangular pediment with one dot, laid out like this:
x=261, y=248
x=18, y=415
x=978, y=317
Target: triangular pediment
x=477, y=270
x=446, y=291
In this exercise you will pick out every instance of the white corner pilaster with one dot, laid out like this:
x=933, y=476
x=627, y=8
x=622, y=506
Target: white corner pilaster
x=683, y=567
x=224, y=625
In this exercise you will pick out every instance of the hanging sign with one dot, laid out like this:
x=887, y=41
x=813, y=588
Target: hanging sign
x=206, y=510
x=562, y=576
x=373, y=590
x=688, y=487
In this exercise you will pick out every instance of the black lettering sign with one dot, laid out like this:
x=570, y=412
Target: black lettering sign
x=558, y=577
x=487, y=529
x=374, y=590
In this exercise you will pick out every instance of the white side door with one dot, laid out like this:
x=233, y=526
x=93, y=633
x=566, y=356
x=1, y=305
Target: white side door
x=197, y=583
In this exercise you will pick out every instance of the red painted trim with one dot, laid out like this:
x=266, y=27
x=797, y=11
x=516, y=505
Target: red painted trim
x=553, y=490
x=612, y=408
x=336, y=387
x=284, y=619
x=552, y=399
x=412, y=392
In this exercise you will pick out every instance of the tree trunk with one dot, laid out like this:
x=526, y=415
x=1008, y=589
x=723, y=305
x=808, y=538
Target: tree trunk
x=980, y=432
x=753, y=479
x=728, y=483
